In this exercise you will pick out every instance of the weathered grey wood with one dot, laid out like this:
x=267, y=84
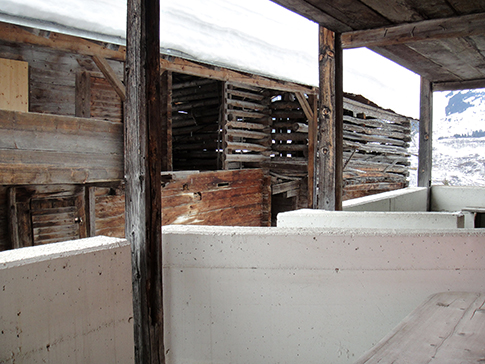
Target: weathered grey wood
x=312, y=150
x=111, y=76
x=461, y=26
x=327, y=149
x=90, y=209
x=285, y=187
x=447, y=328
x=13, y=220
x=425, y=158
x=143, y=134
x=83, y=95
x=459, y=85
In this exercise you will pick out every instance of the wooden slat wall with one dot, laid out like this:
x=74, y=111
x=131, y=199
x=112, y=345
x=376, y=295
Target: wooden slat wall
x=52, y=75
x=246, y=126
x=105, y=102
x=39, y=149
x=376, y=157
x=195, y=123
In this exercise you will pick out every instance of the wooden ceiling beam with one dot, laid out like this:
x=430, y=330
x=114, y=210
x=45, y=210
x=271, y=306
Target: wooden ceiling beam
x=459, y=85
x=461, y=26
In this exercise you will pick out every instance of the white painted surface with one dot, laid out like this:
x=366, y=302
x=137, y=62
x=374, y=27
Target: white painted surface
x=271, y=295
x=67, y=303
x=450, y=198
x=232, y=295
x=406, y=199
x=307, y=218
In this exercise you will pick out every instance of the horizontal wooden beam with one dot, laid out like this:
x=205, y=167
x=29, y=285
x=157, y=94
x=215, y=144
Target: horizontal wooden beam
x=461, y=26
x=315, y=14
x=66, y=43
x=223, y=74
x=459, y=85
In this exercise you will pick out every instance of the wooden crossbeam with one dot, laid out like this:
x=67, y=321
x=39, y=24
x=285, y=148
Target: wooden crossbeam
x=460, y=26
x=17, y=34
x=459, y=85
x=304, y=105
x=111, y=76
x=223, y=74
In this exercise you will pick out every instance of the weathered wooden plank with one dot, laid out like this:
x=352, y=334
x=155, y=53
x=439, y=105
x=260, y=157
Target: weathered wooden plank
x=458, y=26
x=246, y=146
x=245, y=105
x=166, y=99
x=425, y=158
x=14, y=83
x=447, y=327
x=17, y=34
x=246, y=158
x=459, y=85
x=246, y=134
x=217, y=73
x=285, y=187
x=245, y=125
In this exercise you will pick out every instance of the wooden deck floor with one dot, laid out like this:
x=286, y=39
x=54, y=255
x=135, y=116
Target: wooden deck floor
x=447, y=328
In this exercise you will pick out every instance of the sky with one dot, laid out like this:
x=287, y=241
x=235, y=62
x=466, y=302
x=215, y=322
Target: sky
x=258, y=36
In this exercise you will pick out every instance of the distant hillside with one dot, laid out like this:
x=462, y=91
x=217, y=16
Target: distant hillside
x=458, y=139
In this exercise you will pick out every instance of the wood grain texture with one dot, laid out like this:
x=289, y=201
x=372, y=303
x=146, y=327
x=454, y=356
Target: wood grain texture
x=14, y=85
x=446, y=328
x=40, y=148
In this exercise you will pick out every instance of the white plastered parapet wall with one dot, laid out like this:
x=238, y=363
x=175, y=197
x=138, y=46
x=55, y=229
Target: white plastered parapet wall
x=67, y=302
x=272, y=295
x=232, y=295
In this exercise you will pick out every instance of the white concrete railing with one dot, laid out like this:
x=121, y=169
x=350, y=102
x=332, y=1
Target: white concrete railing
x=232, y=295
x=307, y=218
x=67, y=303
x=405, y=199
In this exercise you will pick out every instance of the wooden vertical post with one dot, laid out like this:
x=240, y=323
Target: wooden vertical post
x=425, y=159
x=312, y=143
x=83, y=95
x=90, y=209
x=143, y=135
x=330, y=120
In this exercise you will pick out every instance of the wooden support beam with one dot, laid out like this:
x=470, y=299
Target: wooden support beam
x=82, y=102
x=111, y=76
x=66, y=43
x=459, y=85
x=312, y=143
x=460, y=26
x=143, y=134
x=300, y=96
x=180, y=65
x=425, y=159
x=330, y=122
x=90, y=210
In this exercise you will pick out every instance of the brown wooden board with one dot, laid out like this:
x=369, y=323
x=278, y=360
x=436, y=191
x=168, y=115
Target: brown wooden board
x=40, y=148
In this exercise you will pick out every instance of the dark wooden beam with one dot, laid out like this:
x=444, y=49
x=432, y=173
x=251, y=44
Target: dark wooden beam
x=143, y=134
x=312, y=149
x=425, y=159
x=459, y=85
x=461, y=26
x=330, y=122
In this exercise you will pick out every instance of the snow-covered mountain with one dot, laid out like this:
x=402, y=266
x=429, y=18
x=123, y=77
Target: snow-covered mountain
x=458, y=139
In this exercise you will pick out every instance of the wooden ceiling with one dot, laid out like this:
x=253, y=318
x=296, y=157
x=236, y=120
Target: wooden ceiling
x=441, y=40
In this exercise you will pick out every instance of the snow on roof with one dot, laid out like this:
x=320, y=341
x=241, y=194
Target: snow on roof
x=257, y=36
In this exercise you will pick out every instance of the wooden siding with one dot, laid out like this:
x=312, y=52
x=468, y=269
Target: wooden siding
x=38, y=149
x=14, y=85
